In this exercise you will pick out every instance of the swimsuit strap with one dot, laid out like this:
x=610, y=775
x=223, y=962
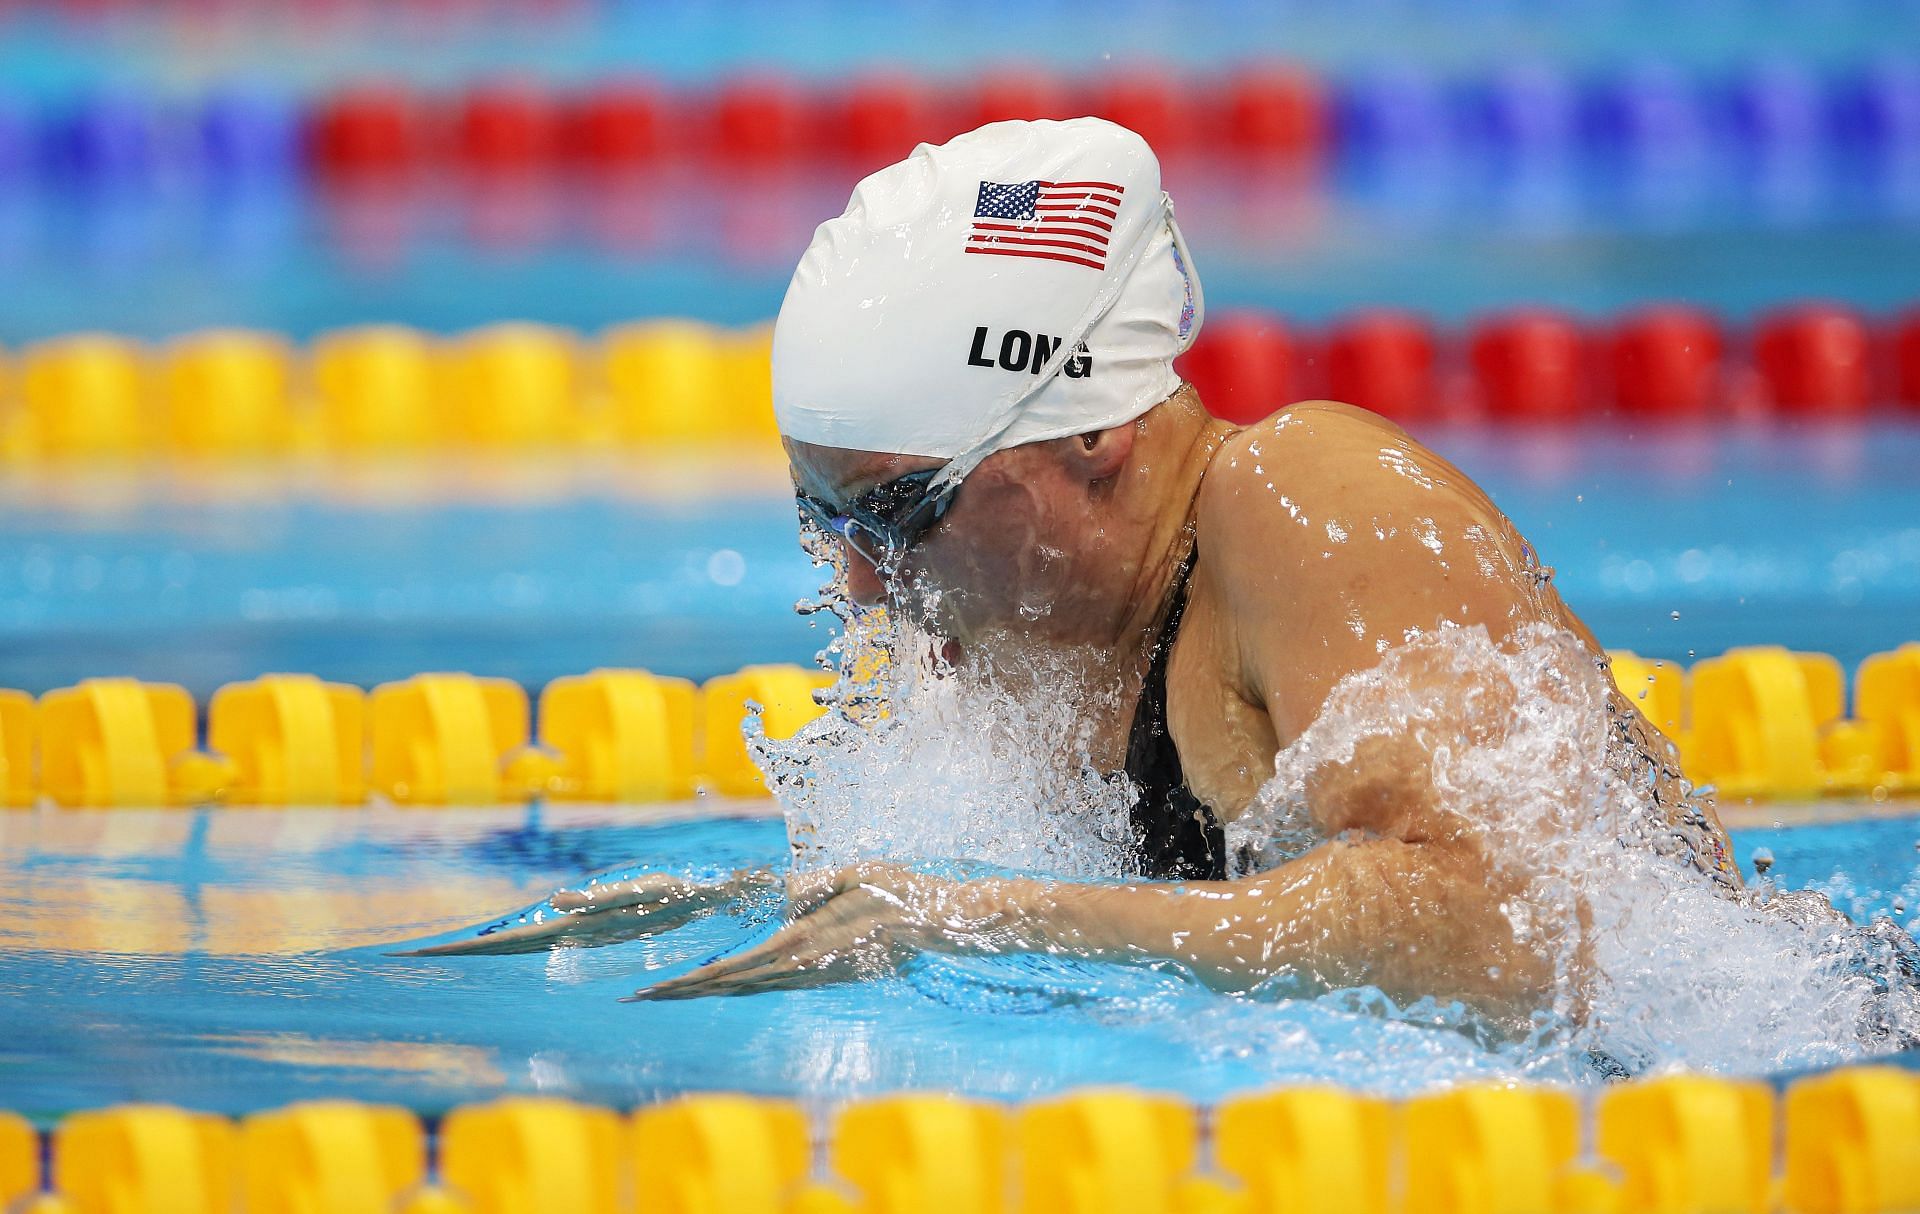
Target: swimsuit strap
x=1176, y=835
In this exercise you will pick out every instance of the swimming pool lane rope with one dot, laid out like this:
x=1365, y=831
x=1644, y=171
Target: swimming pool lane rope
x=1848, y=1141
x=1798, y=116
x=1760, y=722
x=662, y=385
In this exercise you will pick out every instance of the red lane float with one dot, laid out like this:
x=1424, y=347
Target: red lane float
x=1152, y=104
x=1529, y=365
x=1244, y=365
x=882, y=118
x=506, y=127
x=1009, y=93
x=365, y=130
x=1276, y=111
x=1814, y=359
x=760, y=120
x=1906, y=359
x=617, y=125
x=1666, y=361
x=1383, y=360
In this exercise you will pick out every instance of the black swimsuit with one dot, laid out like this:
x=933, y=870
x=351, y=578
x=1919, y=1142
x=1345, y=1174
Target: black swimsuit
x=1175, y=834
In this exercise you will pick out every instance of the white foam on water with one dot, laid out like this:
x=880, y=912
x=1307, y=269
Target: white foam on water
x=924, y=765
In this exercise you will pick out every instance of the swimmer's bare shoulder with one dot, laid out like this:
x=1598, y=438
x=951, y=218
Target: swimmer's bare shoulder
x=1329, y=535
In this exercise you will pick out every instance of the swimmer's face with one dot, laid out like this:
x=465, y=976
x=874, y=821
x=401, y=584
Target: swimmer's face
x=1016, y=550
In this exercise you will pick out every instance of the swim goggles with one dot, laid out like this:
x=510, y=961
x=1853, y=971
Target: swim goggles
x=887, y=520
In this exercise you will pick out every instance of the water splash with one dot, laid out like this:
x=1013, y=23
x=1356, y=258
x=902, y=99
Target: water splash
x=915, y=762
x=1663, y=959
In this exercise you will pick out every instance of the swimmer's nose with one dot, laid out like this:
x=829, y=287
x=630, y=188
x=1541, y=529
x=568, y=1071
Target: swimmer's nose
x=863, y=580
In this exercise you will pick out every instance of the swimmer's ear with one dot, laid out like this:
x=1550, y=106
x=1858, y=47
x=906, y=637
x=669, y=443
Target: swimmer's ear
x=1098, y=454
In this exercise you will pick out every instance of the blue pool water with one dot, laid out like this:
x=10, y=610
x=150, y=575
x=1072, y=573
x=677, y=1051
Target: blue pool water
x=236, y=959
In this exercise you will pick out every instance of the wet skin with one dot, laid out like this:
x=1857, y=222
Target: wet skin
x=1325, y=536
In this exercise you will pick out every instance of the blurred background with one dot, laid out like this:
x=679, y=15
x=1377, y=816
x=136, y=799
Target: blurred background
x=365, y=338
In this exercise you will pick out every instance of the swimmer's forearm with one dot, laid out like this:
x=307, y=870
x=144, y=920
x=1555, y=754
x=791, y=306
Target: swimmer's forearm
x=1408, y=918
x=1231, y=934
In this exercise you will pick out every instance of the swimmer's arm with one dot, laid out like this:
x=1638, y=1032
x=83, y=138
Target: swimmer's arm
x=1413, y=919
x=1409, y=918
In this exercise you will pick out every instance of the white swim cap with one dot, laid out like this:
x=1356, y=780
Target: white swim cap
x=1021, y=282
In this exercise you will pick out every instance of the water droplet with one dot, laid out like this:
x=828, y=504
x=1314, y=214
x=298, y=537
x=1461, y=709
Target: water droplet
x=726, y=567
x=1762, y=860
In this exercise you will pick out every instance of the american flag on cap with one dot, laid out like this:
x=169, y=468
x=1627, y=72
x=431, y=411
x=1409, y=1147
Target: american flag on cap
x=1069, y=221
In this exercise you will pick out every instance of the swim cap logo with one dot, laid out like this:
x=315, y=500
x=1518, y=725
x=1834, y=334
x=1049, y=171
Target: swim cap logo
x=1069, y=221
x=1024, y=351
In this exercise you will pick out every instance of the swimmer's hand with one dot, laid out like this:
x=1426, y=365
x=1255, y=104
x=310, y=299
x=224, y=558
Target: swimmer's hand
x=606, y=913
x=852, y=923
